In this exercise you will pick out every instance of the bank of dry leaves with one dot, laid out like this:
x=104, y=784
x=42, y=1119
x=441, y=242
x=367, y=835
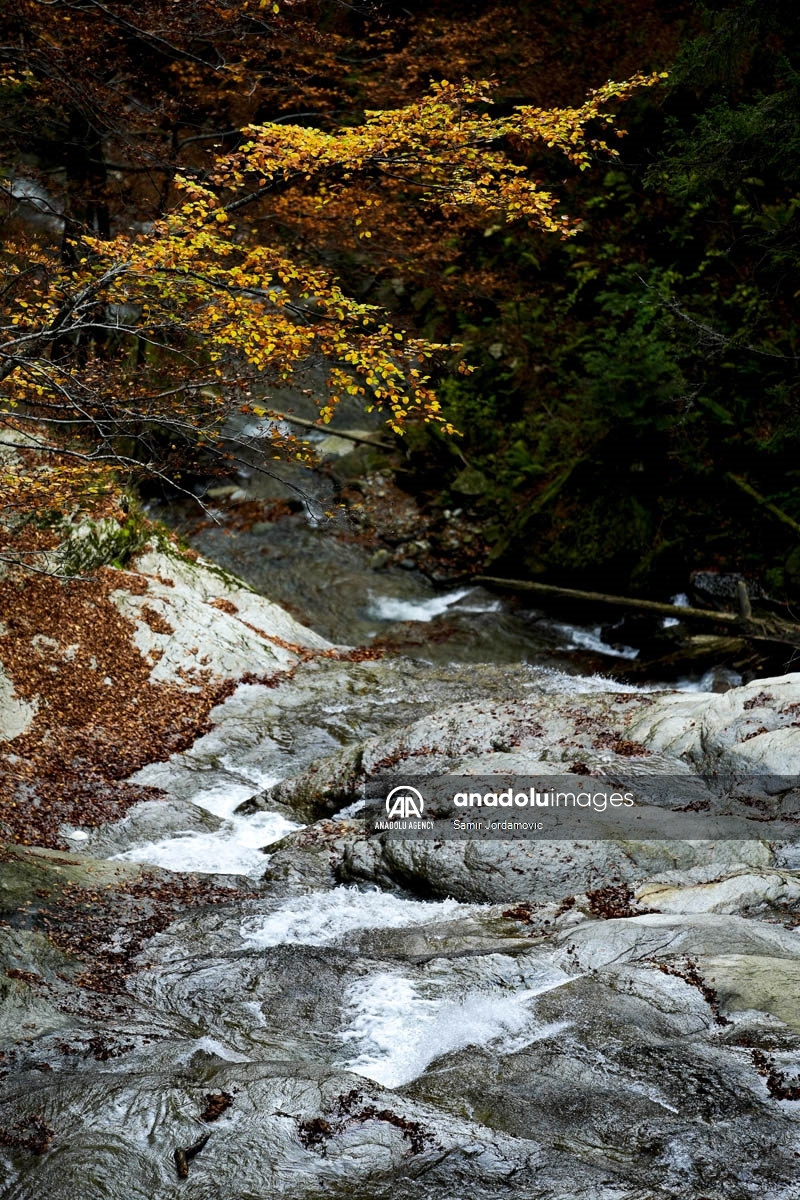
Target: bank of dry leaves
x=100, y=717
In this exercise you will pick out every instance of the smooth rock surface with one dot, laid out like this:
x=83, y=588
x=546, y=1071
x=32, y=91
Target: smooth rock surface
x=371, y=1018
x=208, y=624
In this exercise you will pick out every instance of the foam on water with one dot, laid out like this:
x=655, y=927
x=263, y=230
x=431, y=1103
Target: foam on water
x=222, y=799
x=322, y=918
x=586, y=639
x=250, y=773
x=398, y=1031
x=478, y=606
x=709, y=681
x=681, y=600
x=233, y=849
x=553, y=682
x=390, y=608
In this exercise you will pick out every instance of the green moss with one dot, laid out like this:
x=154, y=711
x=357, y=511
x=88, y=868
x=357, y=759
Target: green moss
x=176, y=547
x=92, y=544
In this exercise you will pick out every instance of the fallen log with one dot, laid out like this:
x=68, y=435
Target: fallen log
x=366, y=439
x=746, y=626
x=657, y=607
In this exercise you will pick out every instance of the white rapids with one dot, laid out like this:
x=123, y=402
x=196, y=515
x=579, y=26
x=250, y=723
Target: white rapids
x=391, y=608
x=324, y=918
x=396, y=1026
x=236, y=848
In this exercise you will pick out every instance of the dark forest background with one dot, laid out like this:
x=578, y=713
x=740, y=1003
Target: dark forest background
x=638, y=396
x=635, y=409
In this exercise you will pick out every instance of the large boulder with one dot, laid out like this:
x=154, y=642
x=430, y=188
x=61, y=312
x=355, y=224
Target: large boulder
x=192, y=619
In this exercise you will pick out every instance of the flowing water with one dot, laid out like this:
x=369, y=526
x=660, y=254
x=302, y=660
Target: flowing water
x=373, y=1042
x=370, y=1041
x=434, y=635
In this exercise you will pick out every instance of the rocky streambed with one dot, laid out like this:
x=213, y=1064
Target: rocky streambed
x=232, y=990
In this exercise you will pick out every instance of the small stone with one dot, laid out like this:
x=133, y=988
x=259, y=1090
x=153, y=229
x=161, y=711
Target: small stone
x=219, y=493
x=380, y=559
x=334, y=447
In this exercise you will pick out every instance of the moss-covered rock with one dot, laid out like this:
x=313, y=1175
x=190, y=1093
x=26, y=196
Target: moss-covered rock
x=92, y=544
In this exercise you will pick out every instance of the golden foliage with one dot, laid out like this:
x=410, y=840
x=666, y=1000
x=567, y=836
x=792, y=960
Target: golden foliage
x=131, y=351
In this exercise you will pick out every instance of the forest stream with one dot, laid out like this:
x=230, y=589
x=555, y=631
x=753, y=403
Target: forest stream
x=352, y=844
x=359, y=1017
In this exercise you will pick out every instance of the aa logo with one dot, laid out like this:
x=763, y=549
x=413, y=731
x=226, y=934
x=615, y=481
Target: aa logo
x=404, y=802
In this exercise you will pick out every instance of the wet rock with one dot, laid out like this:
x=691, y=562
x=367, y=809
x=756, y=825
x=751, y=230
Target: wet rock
x=771, y=891
x=655, y=936
x=339, y=713
x=545, y=731
x=445, y=1051
x=753, y=983
x=634, y=1082
x=412, y=1020
x=497, y=871
x=304, y=1132
x=151, y=820
x=553, y=733
x=27, y=873
x=336, y=446
x=32, y=989
x=311, y=859
x=720, y=589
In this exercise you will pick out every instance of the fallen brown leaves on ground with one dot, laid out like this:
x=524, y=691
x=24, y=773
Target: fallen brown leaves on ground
x=100, y=718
